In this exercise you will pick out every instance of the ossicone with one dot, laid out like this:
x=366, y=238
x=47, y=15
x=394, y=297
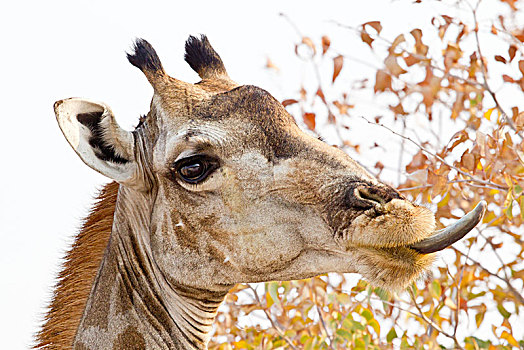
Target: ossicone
x=203, y=59
x=145, y=58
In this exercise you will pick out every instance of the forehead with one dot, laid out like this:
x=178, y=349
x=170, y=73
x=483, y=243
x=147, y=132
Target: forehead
x=246, y=117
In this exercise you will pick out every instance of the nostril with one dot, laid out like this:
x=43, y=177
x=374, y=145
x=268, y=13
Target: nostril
x=368, y=194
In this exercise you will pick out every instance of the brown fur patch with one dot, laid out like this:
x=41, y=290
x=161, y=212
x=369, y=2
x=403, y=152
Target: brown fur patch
x=130, y=339
x=79, y=270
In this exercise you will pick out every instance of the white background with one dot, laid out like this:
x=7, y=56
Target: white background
x=52, y=50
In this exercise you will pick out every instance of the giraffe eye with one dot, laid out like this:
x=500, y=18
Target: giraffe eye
x=195, y=169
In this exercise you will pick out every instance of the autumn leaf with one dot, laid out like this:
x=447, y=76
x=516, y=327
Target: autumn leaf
x=271, y=65
x=382, y=81
x=393, y=67
x=338, y=62
x=309, y=120
x=499, y=58
x=420, y=48
x=364, y=35
x=326, y=43
x=288, y=102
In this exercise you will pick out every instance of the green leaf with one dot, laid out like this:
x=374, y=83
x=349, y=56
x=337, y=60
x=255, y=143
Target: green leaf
x=505, y=313
x=509, y=210
x=343, y=334
x=357, y=326
x=273, y=291
x=367, y=314
x=435, y=289
x=392, y=334
x=382, y=293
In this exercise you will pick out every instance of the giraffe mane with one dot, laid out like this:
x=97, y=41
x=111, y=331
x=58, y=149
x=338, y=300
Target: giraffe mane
x=78, y=272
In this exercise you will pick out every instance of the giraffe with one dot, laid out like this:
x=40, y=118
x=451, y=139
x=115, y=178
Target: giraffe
x=217, y=185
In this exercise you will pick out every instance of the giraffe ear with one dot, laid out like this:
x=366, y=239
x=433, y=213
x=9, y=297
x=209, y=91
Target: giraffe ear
x=92, y=131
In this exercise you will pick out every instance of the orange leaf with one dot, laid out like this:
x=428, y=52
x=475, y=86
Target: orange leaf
x=499, y=58
x=382, y=81
x=309, y=120
x=507, y=78
x=510, y=339
x=393, y=66
x=366, y=38
x=308, y=42
x=512, y=51
x=320, y=94
x=338, y=62
x=288, y=102
x=271, y=65
x=326, y=43
x=521, y=66
x=399, y=39
x=411, y=60
x=375, y=25
x=420, y=48
x=418, y=162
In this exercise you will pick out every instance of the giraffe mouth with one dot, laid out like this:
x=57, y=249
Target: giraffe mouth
x=442, y=239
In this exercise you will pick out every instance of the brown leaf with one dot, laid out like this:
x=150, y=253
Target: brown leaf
x=288, y=102
x=398, y=109
x=418, y=162
x=468, y=161
x=507, y=78
x=271, y=65
x=499, y=58
x=411, y=60
x=342, y=107
x=326, y=43
x=375, y=25
x=457, y=139
x=338, y=62
x=420, y=48
x=512, y=52
x=393, y=66
x=366, y=38
x=519, y=34
x=521, y=66
x=398, y=40
x=382, y=81
x=320, y=94
x=309, y=120
x=309, y=43
x=451, y=55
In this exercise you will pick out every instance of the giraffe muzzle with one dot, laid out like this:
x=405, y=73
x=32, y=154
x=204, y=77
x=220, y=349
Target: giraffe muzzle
x=442, y=239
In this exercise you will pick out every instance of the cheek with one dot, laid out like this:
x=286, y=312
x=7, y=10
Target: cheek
x=261, y=240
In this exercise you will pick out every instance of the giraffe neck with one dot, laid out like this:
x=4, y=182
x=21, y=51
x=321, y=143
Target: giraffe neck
x=132, y=305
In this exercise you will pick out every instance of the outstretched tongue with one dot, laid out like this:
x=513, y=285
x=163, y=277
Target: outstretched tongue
x=444, y=238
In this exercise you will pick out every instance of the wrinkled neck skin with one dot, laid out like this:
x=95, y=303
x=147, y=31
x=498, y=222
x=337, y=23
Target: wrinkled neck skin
x=132, y=305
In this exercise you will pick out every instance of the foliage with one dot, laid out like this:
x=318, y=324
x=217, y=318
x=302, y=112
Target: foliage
x=458, y=144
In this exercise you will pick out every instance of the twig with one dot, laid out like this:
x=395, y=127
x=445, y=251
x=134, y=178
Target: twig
x=322, y=322
x=512, y=289
x=279, y=331
x=415, y=55
x=433, y=324
x=486, y=86
x=473, y=178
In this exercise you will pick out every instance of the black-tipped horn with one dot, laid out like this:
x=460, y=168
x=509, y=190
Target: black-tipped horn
x=451, y=234
x=145, y=58
x=204, y=60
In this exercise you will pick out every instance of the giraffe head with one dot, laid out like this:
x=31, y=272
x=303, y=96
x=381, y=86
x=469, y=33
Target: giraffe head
x=238, y=193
